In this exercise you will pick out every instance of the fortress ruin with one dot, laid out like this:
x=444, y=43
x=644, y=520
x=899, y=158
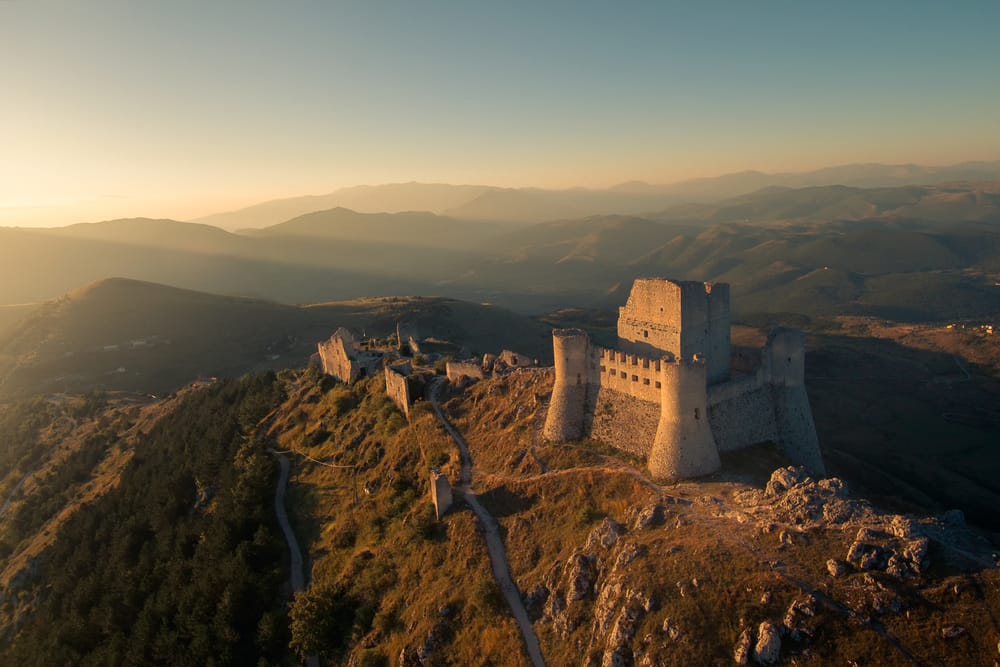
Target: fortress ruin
x=673, y=392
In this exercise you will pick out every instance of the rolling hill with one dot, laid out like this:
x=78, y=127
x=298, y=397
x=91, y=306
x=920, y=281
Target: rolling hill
x=138, y=336
x=408, y=228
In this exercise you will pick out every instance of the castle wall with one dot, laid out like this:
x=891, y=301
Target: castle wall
x=719, y=324
x=621, y=420
x=796, y=428
x=397, y=387
x=628, y=374
x=742, y=416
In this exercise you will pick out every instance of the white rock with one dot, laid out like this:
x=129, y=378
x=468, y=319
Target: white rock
x=767, y=650
x=744, y=645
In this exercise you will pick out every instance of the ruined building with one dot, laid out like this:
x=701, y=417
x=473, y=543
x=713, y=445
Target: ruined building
x=342, y=357
x=671, y=391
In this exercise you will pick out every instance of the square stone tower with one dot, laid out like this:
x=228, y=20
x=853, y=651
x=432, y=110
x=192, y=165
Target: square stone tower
x=665, y=317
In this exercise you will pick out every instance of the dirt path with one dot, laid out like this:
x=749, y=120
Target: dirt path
x=494, y=542
x=296, y=577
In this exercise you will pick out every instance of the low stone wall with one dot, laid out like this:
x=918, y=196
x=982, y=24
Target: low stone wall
x=456, y=370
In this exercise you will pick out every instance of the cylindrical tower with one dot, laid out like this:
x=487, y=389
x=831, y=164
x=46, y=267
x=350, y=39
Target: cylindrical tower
x=569, y=392
x=684, y=445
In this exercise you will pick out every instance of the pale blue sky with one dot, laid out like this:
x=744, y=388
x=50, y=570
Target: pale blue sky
x=185, y=108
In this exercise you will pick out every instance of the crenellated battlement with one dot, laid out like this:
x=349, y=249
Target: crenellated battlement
x=667, y=393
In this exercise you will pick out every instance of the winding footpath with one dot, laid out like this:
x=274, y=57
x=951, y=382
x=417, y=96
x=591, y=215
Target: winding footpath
x=494, y=542
x=296, y=577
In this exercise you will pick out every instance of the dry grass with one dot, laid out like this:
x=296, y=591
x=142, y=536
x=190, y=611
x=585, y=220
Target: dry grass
x=746, y=573
x=416, y=573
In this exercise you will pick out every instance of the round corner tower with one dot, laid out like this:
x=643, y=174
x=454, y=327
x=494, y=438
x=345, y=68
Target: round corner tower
x=565, y=420
x=684, y=445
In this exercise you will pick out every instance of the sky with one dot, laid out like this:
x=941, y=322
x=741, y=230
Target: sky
x=181, y=109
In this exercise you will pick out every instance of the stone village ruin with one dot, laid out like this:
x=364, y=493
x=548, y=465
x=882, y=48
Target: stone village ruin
x=673, y=391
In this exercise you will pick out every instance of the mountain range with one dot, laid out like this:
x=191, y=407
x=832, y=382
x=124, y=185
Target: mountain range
x=482, y=202
x=913, y=252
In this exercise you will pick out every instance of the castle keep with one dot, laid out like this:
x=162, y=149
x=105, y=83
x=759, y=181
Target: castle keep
x=673, y=391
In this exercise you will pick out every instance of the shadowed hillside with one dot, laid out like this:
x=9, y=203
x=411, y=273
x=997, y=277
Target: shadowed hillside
x=125, y=334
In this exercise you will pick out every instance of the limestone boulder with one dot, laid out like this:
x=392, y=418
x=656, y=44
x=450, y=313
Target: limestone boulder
x=744, y=647
x=648, y=517
x=784, y=479
x=836, y=567
x=767, y=649
x=580, y=576
x=604, y=535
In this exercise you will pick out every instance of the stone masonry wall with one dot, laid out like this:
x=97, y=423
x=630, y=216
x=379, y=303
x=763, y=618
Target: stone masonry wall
x=622, y=421
x=650, y=321
x=743, y=419
x=456, y=370
x=397, y=387
x=335, y=359
x=796, y=429
x=625, y=373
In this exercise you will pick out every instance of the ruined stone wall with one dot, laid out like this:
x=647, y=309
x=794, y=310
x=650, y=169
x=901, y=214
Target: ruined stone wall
x=397, y=387
x=335, y=357
x=440, y=493
x=516, y=359
x=456, y=370
x=621, y=420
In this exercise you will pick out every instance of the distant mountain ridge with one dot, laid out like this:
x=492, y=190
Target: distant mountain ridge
x=484, y=202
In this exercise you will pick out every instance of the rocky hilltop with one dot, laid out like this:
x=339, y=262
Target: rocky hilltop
x=759, y=563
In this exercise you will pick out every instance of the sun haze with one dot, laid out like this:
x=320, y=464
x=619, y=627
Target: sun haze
x=183, y=109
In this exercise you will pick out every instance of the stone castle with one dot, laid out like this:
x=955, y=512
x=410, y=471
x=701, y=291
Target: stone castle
x=674, y=392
